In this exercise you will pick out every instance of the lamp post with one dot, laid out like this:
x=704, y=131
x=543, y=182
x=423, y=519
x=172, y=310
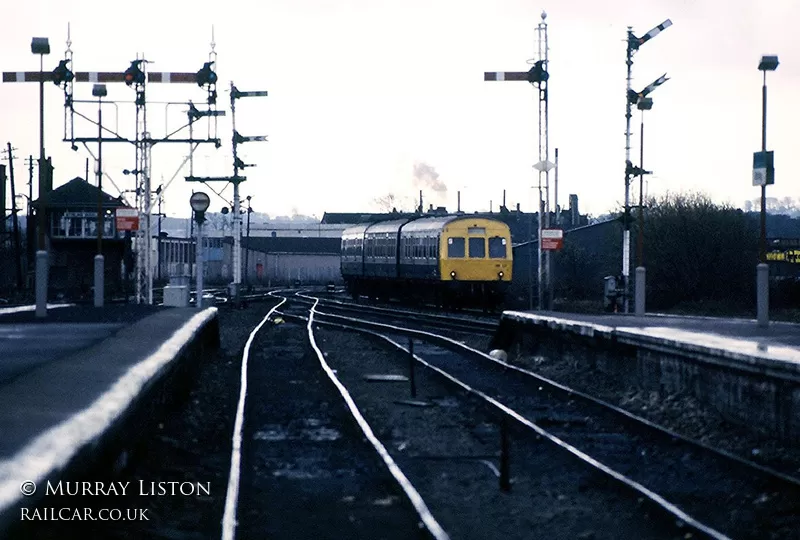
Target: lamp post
x=247, y=249
x=763, y=174
x=41, y=46
x=99, y=91
x=199, y=202
x=644, y=104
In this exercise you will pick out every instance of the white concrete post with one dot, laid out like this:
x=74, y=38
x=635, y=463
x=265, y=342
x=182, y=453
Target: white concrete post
x=762, y=293
x=199, y=263
x=99, y=284
x=42, y=271
x=640, y=283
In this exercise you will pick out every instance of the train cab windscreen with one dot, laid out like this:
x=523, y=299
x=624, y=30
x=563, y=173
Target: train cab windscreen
x=455, y=247
x=497, y=247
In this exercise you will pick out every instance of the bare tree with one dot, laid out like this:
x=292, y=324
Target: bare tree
x=391, y=203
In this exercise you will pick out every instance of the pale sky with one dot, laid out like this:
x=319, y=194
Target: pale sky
x=362, y=90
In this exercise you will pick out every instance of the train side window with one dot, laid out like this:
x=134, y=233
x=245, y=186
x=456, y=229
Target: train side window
x=497, y=247
x=455, y=247
x=477, y=248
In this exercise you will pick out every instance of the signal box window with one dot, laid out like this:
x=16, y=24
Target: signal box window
x=455, y=247
x=477, y=248
x=497, y=247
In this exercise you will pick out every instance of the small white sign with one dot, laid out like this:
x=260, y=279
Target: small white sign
x=760, y=177
x=553, y=233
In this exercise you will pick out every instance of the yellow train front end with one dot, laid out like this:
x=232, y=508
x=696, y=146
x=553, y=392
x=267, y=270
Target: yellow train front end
x=475, y=260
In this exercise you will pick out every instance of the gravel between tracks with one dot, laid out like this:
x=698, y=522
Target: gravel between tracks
x=681, y=413
x=307, y=470
x=450, y=451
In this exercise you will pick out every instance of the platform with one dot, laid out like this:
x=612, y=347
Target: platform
x=733, y=338
x=751, y=374
x=70, y=381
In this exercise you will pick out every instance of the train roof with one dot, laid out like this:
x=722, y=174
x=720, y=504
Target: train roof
x=439, y=222
x=433, y=223
x=387, y=226
x=355, y=229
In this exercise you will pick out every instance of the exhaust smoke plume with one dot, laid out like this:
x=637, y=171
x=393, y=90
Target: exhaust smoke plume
x=426, y=177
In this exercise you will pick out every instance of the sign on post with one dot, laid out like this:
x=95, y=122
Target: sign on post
x=552, y=239
x=763, y=168
x=127, y=219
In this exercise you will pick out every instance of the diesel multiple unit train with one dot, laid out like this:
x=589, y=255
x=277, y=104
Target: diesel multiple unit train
x=453, y=261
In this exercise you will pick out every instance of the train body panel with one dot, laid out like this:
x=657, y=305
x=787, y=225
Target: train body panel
x=449, y=259
x=380, y=249
x=352, y=252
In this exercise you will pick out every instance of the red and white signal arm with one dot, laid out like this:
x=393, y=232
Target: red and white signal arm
x=552, y=239
x=127, y=219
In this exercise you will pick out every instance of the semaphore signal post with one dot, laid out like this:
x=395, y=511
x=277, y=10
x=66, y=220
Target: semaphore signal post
x=135, y=76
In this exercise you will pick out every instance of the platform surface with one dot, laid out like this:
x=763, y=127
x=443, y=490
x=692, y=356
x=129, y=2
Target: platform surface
x=55, y=367
x=779, y=341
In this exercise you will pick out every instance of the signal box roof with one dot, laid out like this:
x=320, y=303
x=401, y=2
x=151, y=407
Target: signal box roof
x=77, y=194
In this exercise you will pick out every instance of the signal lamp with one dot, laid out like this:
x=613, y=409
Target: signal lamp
x=206, y=75
x=134, y=74
x=538, y=73
x=62, y=73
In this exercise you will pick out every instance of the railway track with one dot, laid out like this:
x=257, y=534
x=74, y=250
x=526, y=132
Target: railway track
x=676, y=476
x=332, y=457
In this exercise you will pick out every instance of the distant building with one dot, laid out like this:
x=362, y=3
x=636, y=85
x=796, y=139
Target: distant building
x=282, y=261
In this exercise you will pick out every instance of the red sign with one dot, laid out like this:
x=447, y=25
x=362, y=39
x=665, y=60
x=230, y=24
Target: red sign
x=552, y=244
x=552, y=239
x=127, y=219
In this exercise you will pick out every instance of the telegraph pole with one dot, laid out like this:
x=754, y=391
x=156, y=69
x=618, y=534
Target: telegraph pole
x=29, y=218
x=14, y=220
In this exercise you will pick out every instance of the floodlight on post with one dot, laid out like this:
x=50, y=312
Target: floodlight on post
x=644, y=104
x=41, y=46
x=199, y=202
x=763, y=174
